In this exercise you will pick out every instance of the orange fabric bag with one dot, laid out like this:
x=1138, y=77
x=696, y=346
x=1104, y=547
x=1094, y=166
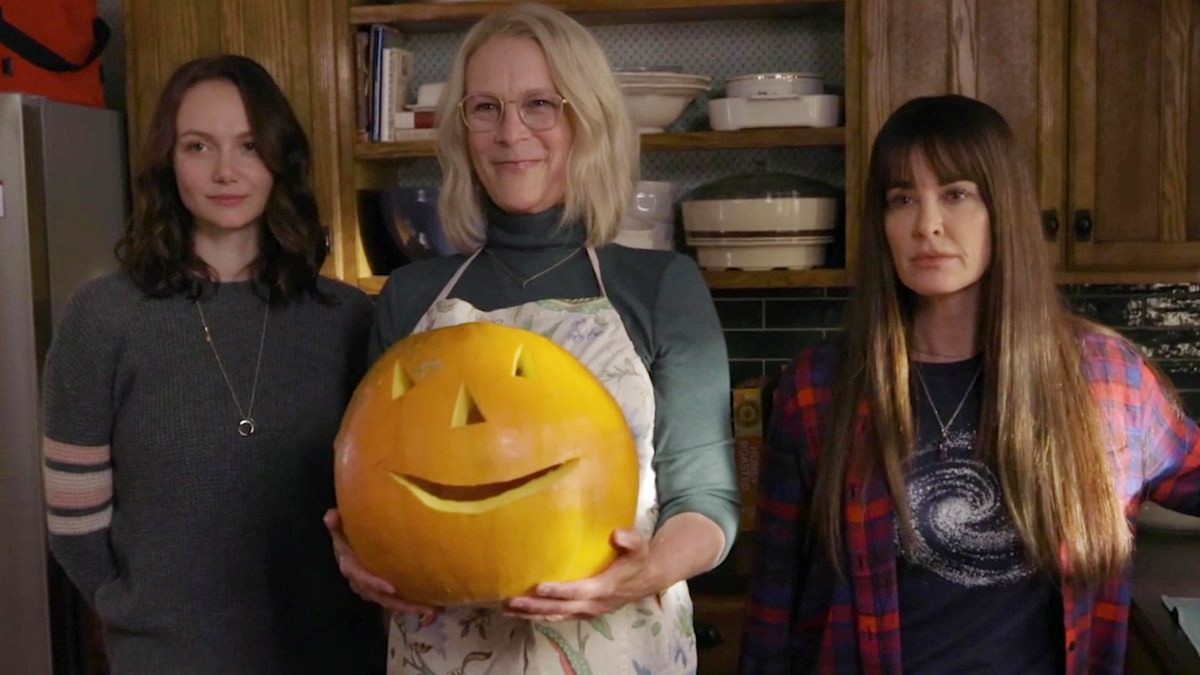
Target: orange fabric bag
x=52, y=48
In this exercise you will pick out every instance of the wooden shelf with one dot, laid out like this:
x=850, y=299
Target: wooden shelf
x=415, y=17
x=687, y=140
x=716, y=279
x=776, y=278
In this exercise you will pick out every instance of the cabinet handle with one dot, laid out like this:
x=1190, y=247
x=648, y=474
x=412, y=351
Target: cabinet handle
x=1050, y=224
x=707, y=635
x=1083, y=225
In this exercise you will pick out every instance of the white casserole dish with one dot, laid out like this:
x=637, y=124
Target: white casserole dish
x=774, y=84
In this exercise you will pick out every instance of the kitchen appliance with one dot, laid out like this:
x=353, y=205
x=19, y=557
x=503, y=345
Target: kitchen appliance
x=62, y=208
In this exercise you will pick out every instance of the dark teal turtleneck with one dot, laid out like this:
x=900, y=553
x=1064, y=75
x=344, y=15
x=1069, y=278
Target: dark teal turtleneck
x=668, y=313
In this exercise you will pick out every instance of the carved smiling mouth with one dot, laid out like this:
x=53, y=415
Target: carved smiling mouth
x=474, y=499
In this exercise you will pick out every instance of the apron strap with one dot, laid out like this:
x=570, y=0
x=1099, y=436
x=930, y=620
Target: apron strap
x=591, y=252
x=457, y=275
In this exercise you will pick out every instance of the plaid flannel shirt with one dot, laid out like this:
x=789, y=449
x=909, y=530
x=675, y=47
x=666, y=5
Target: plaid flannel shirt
x=802, y=618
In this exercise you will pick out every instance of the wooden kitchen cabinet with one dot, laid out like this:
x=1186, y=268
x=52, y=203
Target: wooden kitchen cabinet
x=293, y=39
x=1010, y=54
x=1134, y=157
x=1103, y=96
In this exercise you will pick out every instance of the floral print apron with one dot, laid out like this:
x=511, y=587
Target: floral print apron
x=652, y=636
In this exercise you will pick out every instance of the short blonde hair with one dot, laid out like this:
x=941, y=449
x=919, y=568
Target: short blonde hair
x=603, y=161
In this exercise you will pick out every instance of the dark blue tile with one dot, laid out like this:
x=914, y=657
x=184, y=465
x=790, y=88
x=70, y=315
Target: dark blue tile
x=1191, y=403
x=741, y=371
x=740, y=313
x=1183, y=374
x=747, y=293
x=1166, y=343
x=1179, y=310
x=775, y=344
x=804, y=313
x=1112, y=310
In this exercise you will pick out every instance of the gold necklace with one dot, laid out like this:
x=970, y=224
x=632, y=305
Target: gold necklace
x=525, y=281
x=944, y=445
x=246, y=426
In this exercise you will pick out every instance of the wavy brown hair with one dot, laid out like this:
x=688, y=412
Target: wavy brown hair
x=157, y=249
x=1040, y=427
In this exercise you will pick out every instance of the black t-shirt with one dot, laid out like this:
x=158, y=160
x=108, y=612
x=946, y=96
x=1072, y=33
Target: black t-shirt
x=969, y=601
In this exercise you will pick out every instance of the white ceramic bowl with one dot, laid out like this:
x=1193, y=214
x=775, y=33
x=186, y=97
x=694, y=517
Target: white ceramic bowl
x=654, y=200
x=761, y=253
x=774, y=85
x=638, y=233
x=792, y=215
x=654, y=107
x=654, y=77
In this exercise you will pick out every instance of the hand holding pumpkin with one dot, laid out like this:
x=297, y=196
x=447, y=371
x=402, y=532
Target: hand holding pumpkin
x=626, y=580
x=368, y=586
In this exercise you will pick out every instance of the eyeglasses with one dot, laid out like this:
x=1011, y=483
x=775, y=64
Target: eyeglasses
x=538, y=111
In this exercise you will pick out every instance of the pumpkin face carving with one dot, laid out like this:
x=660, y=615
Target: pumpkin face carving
x=478, y=460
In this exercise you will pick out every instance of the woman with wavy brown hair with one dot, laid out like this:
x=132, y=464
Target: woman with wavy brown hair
x=191, y=401
x=950, y=487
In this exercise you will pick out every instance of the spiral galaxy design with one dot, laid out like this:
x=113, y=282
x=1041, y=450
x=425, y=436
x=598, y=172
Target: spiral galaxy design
x=963, y=531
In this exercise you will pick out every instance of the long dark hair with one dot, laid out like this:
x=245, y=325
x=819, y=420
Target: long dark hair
x=157, y=248
x=1041, y=428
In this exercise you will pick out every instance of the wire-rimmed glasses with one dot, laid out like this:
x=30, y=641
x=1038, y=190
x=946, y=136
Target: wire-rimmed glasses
x=539, y=111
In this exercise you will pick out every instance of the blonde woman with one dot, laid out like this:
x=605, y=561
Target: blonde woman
x=950, y=487
x=539, y=160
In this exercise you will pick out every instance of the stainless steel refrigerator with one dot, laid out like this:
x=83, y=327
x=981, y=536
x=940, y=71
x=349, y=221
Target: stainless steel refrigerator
x=62, y=207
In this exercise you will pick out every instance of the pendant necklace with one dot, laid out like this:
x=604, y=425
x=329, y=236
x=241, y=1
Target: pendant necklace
x=944, y=444
x=245, y=425
x=525, y=281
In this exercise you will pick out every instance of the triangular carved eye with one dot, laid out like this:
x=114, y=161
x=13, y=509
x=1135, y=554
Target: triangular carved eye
x=466, y=411
x=522, y=363
x=401, y=382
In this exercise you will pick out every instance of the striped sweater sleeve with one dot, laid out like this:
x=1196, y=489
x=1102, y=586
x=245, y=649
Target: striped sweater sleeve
x=78, y=410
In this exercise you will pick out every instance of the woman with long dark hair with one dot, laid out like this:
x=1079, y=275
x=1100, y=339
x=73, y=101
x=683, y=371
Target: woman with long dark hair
x=191, y=401
x=950, y=487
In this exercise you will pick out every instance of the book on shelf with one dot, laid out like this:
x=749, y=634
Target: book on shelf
x=389, y=69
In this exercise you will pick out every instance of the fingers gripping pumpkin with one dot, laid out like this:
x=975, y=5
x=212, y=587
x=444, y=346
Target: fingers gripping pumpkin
x=476, y=461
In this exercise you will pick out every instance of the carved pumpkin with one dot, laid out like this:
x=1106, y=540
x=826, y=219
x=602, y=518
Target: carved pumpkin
x=476, y=461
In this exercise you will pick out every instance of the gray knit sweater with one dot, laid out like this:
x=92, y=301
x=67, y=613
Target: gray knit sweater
x=210, y=557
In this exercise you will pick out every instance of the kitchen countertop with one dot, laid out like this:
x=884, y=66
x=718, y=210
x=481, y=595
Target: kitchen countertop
x=1166, y=563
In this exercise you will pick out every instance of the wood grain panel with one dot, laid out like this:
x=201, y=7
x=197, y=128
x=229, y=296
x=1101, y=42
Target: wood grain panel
x=1193, y=181
x=964, y=45
x=855, y=150
x=877, y=103
x=322, y=74
x=1051, y=147
x=1176, y=29
x=918, y=41
x=141, y=76
x=232, y=21
x=344, y=223
x=1134, y=256
x=1008, y=55
x=1128, y=113
x=446, y=16
x=1082, y=155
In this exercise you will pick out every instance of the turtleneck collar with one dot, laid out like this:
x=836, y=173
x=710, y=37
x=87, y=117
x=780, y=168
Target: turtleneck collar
x=530, y=231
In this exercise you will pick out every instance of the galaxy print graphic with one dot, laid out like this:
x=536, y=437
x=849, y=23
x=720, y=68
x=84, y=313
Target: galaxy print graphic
x=963, y=530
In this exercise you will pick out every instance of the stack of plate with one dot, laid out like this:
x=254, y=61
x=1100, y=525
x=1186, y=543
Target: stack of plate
x=655, y=99
x=761, y=221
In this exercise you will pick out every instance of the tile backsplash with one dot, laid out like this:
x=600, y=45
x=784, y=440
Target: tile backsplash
x=765, y=328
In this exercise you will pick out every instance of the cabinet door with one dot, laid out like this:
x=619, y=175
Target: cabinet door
x=1010, y=54
x=1135, y=135
x=292, y=40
